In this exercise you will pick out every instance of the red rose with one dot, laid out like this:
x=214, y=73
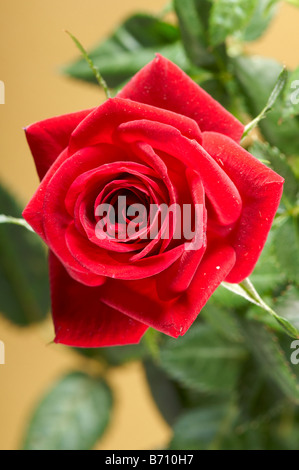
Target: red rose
x=162, y=140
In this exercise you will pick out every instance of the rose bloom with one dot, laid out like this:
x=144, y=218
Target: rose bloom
x=162, y=140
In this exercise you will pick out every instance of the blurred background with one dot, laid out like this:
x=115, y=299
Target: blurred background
x=33, y=48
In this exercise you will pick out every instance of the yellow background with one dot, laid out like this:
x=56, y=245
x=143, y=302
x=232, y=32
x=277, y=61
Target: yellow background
x=32, y=47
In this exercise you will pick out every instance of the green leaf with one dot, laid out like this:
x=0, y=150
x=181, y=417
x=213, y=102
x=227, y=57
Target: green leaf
x=221, y=317
x=203, y=360
x=257, y=77
x=24, y=282
x=278, y=87
x=228, y=17
x=293, y=2
x=91, y=65
x=286, y=241
x=130, y=48
x=202, y=428
x=278, y=163
x=193, y=18
x=291, y=95
x=270, y=358
x=246, y=289
x=164, y=391
x=73, y=415
x=258, y=399
x=260, y=20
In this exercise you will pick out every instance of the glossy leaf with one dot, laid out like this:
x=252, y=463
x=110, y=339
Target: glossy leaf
x=24, y=282
x=129, y=48
x=73, y=415
x=193, y=18
x=278, y=87
x=257, y=77
x=260, y=20
x=203, y=360
x=228, y=17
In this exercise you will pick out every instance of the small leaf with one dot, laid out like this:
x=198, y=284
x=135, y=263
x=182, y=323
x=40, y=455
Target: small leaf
x=132, y=45
x=203, y=360
x=246, y=290
x=260, y=20
x=193, y=18
x=279, y=86
x=257, y=77
x=239, y=290
x=228, y=17
x=73, y=415
x=91, y=65
x=24, y=282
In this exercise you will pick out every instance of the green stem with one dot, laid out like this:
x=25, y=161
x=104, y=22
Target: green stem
x=249, y=288
x=7, y=219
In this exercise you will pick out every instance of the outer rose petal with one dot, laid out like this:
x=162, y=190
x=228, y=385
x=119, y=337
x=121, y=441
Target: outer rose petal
x=139, y=299
x=47, y=139
x=163, y=84
x=260, y=189
x=82, y=320
x=100, y=125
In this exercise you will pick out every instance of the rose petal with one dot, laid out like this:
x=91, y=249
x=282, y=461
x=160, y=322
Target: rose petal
x=139, y=299
x=82, y=320
x=116, y=265
x=260, y=189
x=48, y=138
x=99, y=126
x=163, y=84
x=177, y=278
